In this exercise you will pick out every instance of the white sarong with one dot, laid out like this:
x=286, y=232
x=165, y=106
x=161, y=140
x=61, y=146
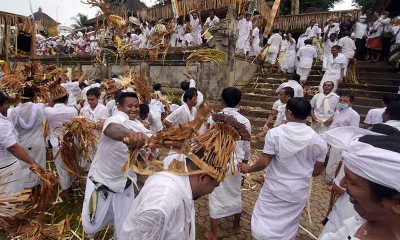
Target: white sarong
x=304, y=73
x=226, y=199
x=274, y=218
x=66, y=179
x=335, y=157
x=110, y=211
x=11, y=179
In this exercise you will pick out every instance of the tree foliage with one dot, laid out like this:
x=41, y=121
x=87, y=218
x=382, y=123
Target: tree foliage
x=307, y=6
x=79, y=21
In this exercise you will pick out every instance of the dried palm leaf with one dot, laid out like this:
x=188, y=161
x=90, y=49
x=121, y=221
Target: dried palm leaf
x=352, y=71
x=78, y=144
x=207, y=55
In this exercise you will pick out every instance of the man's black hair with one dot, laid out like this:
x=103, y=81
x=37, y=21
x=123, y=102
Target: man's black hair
x=349, y=95
x=289, y=91
x=275, y=31
x=231, y=96
x=393, y=110
x=189, y=94
x=114, y=76
x=185, y=85
x=295, y=77
x=387, y=98
x=97, y=80
x=28, y=93
x=144, y=108
x=121, y=98
x=93, y=92
x=61, y=99
x=300, y=107
x=3, y=98
x=156, y=86
x=308, y=42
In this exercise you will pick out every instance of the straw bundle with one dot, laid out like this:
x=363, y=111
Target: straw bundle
x=310, y=91
x=219, y=145
x=46, y=194
x=38, y=230
x=142, y=88
x=176, y=136
x=207, y=55
x=116, y=21
x=78, y=144
x=352, y=71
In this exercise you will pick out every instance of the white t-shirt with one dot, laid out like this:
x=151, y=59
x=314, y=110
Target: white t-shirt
x=374, y=116
x=320, y=111
x=99, y=113
x=334, y=29
x=313, y=31
x=298, y=89
x=8, y=138
x=111, y=155
x=200, y=96
x=182, y=115
x=307, y=55
x=56, y=117
x=274, y=42
x=73, y=92
x=210, y=22
x=289, y=177
x=345, y=117
x=348, y=47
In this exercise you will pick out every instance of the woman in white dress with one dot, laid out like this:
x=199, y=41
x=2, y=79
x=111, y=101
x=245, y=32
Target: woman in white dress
x=255, y=41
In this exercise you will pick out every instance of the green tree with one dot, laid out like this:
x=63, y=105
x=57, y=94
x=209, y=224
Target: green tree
x=307, y=6
x=364, y=4
x=79, y=20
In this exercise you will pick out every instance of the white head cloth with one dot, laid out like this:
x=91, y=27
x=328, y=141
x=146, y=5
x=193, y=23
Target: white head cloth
x=378, y=165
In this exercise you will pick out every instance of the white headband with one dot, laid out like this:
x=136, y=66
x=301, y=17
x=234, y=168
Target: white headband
x=374, y=164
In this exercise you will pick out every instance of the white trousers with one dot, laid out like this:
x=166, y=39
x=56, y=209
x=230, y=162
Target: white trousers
x=111, y=211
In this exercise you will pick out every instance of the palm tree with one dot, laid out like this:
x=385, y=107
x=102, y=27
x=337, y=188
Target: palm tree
x=79, y=20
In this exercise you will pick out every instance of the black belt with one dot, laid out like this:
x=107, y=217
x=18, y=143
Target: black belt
x=12, y=164
x=105, y=188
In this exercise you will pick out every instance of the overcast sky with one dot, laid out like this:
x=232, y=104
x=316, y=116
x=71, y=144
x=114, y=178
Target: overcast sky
x=63, y=10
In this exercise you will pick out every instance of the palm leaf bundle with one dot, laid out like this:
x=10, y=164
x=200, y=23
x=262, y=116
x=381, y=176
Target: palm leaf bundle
x=207, y=55
x=78, y=144
x=352, y=71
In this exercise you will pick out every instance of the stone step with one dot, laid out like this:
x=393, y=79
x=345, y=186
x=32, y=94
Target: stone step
x=368, y=87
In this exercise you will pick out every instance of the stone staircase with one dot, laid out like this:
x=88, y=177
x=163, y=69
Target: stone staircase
x=375, y=80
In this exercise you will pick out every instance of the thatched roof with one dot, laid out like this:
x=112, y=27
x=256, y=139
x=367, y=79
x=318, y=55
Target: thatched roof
x=40, y=15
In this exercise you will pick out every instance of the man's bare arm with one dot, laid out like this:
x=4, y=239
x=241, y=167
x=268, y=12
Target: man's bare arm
x=262, y=162
x=19, y=152
x=117, y=132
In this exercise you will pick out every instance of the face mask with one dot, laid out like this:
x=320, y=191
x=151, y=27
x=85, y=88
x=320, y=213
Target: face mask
x=343, y=106
x=363, y=21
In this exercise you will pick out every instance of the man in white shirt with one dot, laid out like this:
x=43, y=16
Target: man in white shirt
x=391, y=116
x=109, y=191
x=283, y=196
x=344, y=116
x=27, y=119
x=306, y=56
x=196, y=28
x=151, y=119
x=278, y=111
x=300, y=41
x=226, y=199
x=323, y=106
x=372, y=166
x=74, y=90
x=212, y=19
x=360, y=35
x=294, y=83
x=288, y=47
x=164, y=208
x=10, y=152
x=191, y=84
x=186, y=112
x=374, y=116
x=348, y=47
x=274, y=43
x=331, y=28
x=244, y=35
x=313, y=30
x=56, y=117
x=328, y=44
x=95, y=111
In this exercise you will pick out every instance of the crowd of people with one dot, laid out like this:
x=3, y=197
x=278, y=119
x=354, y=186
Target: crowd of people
x=178, y=33
x=362, y=164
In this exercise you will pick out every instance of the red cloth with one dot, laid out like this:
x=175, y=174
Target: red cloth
x=374, y=43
